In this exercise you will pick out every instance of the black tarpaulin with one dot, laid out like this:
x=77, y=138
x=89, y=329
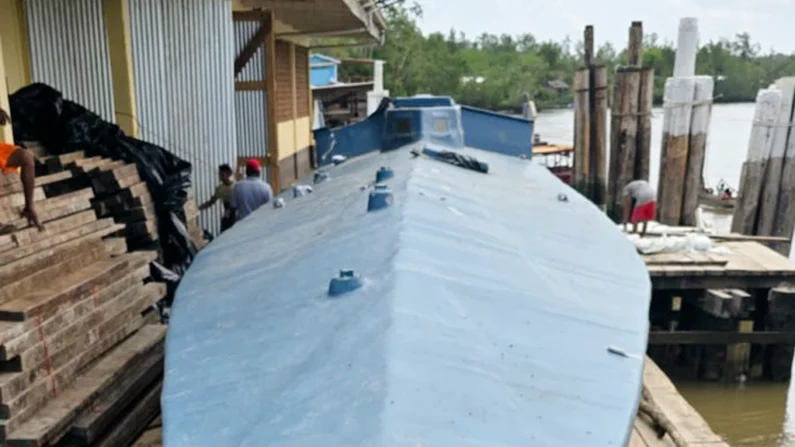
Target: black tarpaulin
x=40, y=113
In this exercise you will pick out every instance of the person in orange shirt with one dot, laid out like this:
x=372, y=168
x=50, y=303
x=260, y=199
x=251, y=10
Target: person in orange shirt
x=16, y=159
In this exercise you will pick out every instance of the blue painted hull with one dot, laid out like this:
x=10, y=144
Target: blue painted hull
x=487, y=308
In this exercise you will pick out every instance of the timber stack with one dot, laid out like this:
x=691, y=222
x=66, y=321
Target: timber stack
x=81, y=342
x=687, y=109
x=630, y=130
x=767, y=184
x=590, y=118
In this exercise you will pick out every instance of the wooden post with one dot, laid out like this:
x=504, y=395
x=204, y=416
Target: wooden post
x=780, y=316
x=635, y=49
x=598, y=145
x=590, y=116
x=645, y=102
x=623, y=136
x=269, y=60
x=768, y=102
x=582, y=130
x=696, y=154
x=772, y=177
x=678, y=107
x=784, y=221
x=589, y=45
x=686, y=48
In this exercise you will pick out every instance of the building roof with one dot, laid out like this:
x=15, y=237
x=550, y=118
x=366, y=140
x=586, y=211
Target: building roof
x=323, y=57
x=342, y=18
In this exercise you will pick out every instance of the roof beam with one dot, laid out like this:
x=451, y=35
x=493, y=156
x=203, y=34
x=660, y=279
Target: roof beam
x=256, y=41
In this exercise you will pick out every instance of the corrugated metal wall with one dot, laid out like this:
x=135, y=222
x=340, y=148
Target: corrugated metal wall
x=250, y=106
x=69, y=51
x=183, y=54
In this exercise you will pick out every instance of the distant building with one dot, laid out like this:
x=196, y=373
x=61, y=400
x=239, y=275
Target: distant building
x=323, y=70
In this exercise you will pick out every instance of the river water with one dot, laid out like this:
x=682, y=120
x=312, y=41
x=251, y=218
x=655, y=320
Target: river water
x=749, y=415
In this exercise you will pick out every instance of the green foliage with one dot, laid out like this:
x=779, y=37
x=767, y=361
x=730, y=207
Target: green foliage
x=492, y=71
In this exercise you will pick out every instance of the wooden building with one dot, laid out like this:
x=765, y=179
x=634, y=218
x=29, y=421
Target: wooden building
x=161, y=71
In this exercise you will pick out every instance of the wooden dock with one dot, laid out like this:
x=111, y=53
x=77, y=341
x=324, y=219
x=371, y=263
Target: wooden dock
x=749, y=265
x=691, y=427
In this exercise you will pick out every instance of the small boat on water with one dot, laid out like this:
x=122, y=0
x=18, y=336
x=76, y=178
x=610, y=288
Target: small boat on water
x=436, y=288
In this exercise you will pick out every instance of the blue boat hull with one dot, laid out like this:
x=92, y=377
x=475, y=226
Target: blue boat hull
x=486, y=309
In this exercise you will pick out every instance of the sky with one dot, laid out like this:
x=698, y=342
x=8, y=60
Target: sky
x=767, y=21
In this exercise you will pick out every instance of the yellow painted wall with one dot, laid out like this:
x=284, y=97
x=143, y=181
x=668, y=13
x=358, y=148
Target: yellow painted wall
x=303, y=132
x=6, y=134
x=293, y=136
x=286, y=140
x=16, y=46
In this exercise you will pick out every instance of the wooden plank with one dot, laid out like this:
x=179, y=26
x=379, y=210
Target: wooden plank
x=71, y=287
x=87, y=255
x=103, y=227
x=16, y=269
x=16, y=185
x=115, y=246
x=136, y=420
x=99, y=417
x=54, y=419
x=53, y=352
x=53, y=208
x=31, y=235
x=719, y=338
x=693, y=428
x=47, y=389
x=17, y=337
x=71, y=355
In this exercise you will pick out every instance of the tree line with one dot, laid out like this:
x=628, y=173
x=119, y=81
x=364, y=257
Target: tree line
x=492, y=71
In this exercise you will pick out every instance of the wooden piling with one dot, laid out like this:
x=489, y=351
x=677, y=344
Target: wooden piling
x=582, y=130
x=623, y=136
x=780, y=316
x=643, y=146
x=697, y=148
x=630, y=130
x=771, y=186
x=678, y=107
x=784, y=222
x=590, y=115
x=635, y=48
x=598, y=146
x=768, y=102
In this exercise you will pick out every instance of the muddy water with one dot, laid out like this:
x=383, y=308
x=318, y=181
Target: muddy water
x=750, y=415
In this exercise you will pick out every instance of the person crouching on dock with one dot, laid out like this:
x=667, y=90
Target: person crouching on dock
x=645, y=207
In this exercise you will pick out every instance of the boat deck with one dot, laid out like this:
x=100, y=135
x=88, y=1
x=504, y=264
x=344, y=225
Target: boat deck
x=687, y=420
x=749, y=265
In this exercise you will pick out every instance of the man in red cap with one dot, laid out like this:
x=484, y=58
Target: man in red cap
x=251, y=192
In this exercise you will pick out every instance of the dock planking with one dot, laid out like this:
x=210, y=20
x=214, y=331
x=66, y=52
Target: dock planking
x=748, y=265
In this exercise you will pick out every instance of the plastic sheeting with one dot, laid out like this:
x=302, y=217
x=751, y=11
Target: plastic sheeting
x=40, y=113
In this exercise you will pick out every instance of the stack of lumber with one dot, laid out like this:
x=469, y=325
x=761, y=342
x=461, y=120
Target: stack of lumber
x=120, y=193
x=77, y=357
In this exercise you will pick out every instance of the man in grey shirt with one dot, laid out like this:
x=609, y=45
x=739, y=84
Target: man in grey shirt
x=645, y=207
x=251, y=192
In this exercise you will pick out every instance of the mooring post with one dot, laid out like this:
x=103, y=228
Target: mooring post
x=598, y=146
x=771, y=187
x=746, y=211
x=630, y=130
x=676, y=153
x=582, y=129
x=780, y=316
x=697, y=147
x=784, y=211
